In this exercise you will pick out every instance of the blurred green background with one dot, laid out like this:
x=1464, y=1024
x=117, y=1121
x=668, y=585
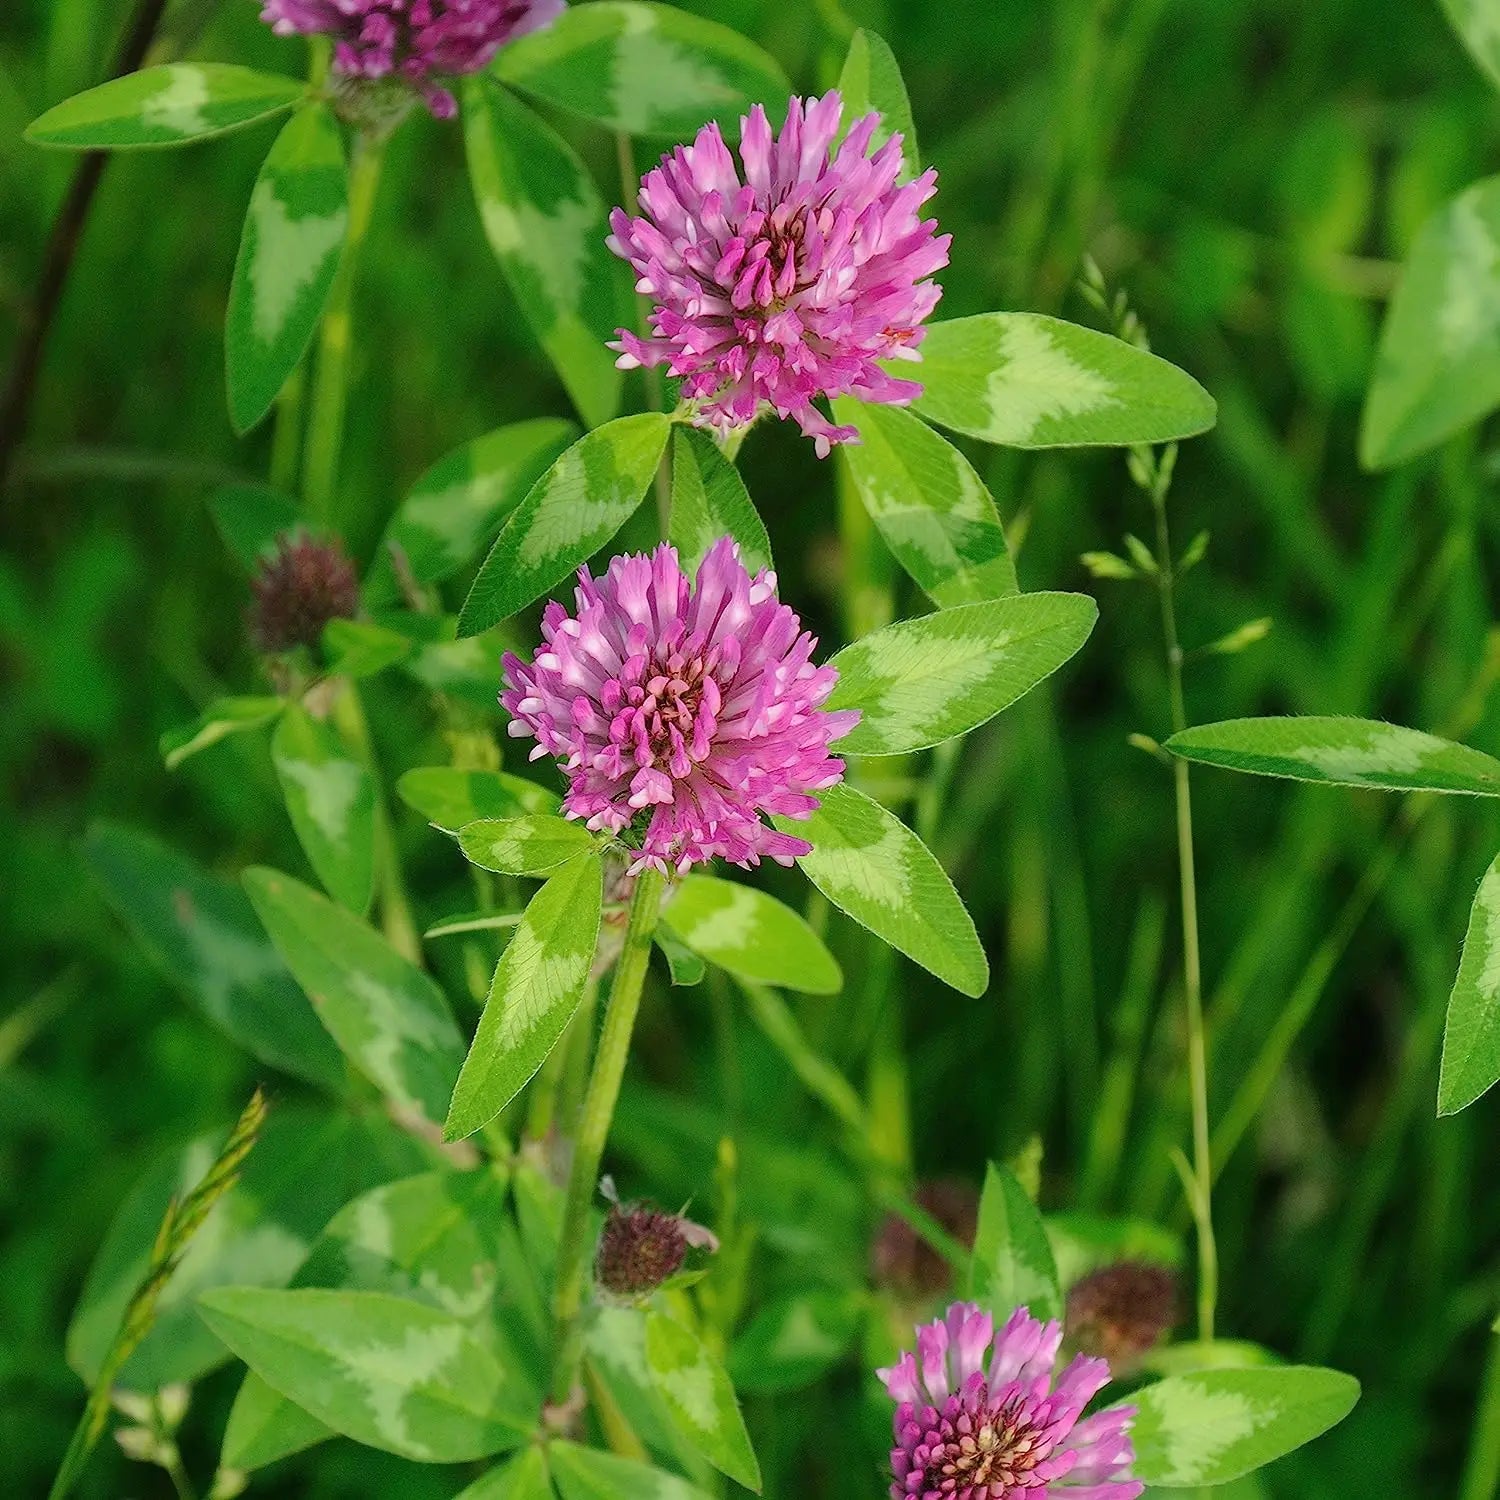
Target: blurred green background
x=1252, y=172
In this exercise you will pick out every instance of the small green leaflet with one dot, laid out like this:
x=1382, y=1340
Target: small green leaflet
x=389, y=1018
x=697, y=1393
x=1215, y=1425
x=1438, y=367
x=1028, y=381
x=222, y=718
x=523, y=1477
x=920, y=682
x=751, y=934
x=645, y=69
x=1471, y=1043
x=250, y=517
x=264, y=1426
x=385, y=1371
x=547, y=225
x=683, y=965
x=875, y=869
x=330, y=798
x=360, y=648
x=931, y=507
x=537, y=986
x=1012, y=1265
x=571, y=512
x=451, y=799
x=590, y=1474
x=532, y=845
x=454, y=509
x=1478, y=23
x=202, y=934
x=709, y=501
x=165, y=106
x=289, y=251
x=794, y=1341
x=871, y=80
x=1343, y=752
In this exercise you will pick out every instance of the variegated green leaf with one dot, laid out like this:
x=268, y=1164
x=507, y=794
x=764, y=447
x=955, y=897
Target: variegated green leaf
x=644, y=69
x=871, y=80
x=1012, y=1265
x=222, y=718
x=1215, y=1425
x=165, y=106
x=389, y=1018
x=330, y=797
x=709, y=501
x=795, y=1340
x=572, y=511
x=289, y=251
x=920, y=682
x=250, y=517
x=432, y=1238
x=535, y=844
x=1478, y=23
x=591, y=1474
x=450, y=799
x=523, y=1477
x=547, y=225
x=386, y=1371
x=929, y=504
x=1343, y=752
x=1438, y=368
x=697, y=1393
x=537, y=986
x=453, y=511
x=1471, y=1043
x=305, y=1164
x=1028, y=381
x=751, y=934
x=874, y=868
x=202, y=934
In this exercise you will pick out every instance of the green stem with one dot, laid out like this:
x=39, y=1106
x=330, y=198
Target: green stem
x=1203, y=1172
x=1482, y=1472
x=330, y=391
x=593, y=1126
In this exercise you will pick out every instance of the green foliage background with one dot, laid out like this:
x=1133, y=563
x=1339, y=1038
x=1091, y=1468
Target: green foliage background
x=1252, y=171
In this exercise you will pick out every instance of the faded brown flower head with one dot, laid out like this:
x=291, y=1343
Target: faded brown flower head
x=640, y=1246
x=1121, y=1312
x=903, y=1262
x=307, y=582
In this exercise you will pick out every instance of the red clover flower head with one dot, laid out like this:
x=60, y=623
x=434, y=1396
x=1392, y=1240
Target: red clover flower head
x=412, y=41
x=690, y=709
x=1122, y=1311
x=987, y=1416
x=785, y=276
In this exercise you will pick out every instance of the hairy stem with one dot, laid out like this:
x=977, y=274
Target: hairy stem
x=330, y=388
x=593, y=1127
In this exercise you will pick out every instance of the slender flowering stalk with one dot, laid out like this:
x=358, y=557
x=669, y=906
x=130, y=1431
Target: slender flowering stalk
x=787, y=283
x=987, y=1416
x=412, y=42
x=681, y=713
